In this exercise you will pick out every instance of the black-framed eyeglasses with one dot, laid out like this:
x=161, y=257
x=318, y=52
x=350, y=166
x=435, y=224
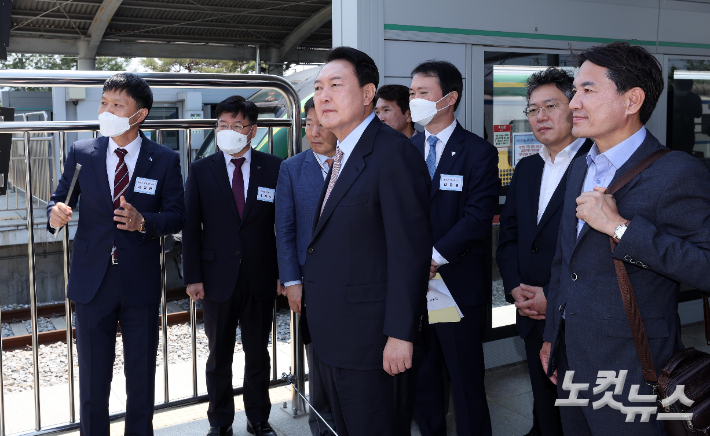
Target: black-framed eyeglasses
x=531, y=112
x=235, y=127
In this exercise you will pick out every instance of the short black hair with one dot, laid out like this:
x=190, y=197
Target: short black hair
x=365, y=68
x=449, y=76
x=237, y=104
x=629, y=66
x=133, y=86
x=310, y=104
x=396, y=93
x=555, y=76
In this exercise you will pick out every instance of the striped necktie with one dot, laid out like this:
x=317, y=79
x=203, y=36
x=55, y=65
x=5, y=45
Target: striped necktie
x=431, y=157
x=338, y=158
x=121, y=179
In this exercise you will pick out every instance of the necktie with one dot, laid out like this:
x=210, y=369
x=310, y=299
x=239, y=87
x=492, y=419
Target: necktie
x=120, y=181
x=333, y=176
x=431, y=157
x=120, y=184
x=238, y=184
x=330, y=163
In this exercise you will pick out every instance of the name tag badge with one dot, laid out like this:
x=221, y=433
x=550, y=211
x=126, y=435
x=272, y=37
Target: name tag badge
x=451, y=183
x=265, y=194
x=145, y=186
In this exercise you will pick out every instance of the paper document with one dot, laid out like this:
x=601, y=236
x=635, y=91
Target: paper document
x=440, y=303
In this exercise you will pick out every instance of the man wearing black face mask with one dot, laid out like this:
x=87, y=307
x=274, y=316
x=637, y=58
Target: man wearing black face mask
x=131, y=191
x=229, y=261
x=464, y=191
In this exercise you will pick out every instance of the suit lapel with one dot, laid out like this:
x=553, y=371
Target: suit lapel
x=534, y=190
x=452, y=151
x=558, y=197
x=353, y=168
x=143, y=164
x=418, y=141
x=313, y=171
x=574, y=188
x=256, y=171
x=99, y=164
x=221, y=178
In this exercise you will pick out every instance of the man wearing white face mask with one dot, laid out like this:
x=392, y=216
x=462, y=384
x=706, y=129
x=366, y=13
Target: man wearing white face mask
x=464, y=191
x=132, y=193
x=229, y=261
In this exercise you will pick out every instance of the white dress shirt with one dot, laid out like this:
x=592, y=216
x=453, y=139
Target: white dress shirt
x=324, y=165
x=132, y=149
x=443, y=138
x=552, y=172
x=246, y=169
x=352, y=139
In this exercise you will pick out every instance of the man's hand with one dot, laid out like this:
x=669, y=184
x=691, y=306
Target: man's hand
x=599, y=211
x=432, y=269
x=545, y=359
x=60, y=215
x=129, y=216
x=196, y=291
x=535, y=306
x=280, y=289
x=294, y=293
x=397, y=356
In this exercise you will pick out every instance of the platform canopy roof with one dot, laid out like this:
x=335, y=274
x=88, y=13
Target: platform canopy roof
x=284, y=30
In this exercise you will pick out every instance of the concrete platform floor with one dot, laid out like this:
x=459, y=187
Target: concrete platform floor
x=508, y=390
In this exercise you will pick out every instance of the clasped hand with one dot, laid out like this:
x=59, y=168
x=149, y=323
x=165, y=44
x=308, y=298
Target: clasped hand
x=530, y=301
x=599, y=210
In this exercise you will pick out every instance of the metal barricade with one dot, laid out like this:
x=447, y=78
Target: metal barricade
x=155, y=80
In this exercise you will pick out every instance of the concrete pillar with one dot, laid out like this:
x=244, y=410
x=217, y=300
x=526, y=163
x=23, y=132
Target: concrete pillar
x=276, y=67
x=360, y=24
x=87, y=60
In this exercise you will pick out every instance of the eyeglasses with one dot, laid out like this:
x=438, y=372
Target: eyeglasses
x=235, y=127
x=532, y=112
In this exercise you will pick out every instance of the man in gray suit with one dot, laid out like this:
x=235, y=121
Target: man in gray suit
x=300, y=183
x=660, y=221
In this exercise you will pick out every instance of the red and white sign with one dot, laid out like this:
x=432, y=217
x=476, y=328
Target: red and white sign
x=501, y=135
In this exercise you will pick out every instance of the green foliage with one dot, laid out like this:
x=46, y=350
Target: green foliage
x=112, y=64
x=697, y=65
x=197, y=66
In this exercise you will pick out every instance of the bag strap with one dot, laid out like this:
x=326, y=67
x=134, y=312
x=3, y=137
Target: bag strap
x=633, y=314
x=706, y=315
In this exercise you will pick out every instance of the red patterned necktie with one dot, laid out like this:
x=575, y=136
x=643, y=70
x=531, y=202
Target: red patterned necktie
x=330, y=163
x=238, y=184
x=120, y=184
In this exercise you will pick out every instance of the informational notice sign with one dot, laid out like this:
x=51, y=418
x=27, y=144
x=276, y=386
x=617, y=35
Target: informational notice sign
x=501, y=135
x=524, y=144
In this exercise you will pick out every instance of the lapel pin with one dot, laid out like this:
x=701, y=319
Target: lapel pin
x=258, y=167
x=453, y=153
x=150, y=158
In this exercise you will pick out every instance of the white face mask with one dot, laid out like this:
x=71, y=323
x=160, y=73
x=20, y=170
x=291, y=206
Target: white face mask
x=111, y=125
x=423, y=111
x=231, y=142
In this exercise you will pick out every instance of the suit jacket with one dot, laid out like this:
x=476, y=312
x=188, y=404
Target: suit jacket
x=526, y=248
x=217, y=244
x=368, y=261
x=297, y=194
x=667, y=242
x=138, y=254
x=461, y=220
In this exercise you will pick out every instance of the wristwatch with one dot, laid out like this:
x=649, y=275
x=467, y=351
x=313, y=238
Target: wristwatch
x=619, y=232
x=144, y=226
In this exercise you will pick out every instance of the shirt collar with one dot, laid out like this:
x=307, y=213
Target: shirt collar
x=568, y=152
x=352, y=139
x=228, y=157
x=321, y=157
x=442, y=136
x=132, y=149
x=620, y=153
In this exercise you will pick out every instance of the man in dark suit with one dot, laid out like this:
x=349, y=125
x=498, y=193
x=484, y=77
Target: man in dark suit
x=300, y=184
x=131, y=191
x=660, y=222
x=465, y=188
x=529, y=225
x=367, y=263
x=229, y=261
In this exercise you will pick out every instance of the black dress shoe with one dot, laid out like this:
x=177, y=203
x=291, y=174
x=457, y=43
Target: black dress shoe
x=220, y=431
x=260, y=428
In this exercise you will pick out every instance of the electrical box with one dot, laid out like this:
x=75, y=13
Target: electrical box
x=76, y=94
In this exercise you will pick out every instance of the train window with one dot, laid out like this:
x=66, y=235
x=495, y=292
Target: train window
x=688, y=123
x=505, y=99
x=169, y=137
